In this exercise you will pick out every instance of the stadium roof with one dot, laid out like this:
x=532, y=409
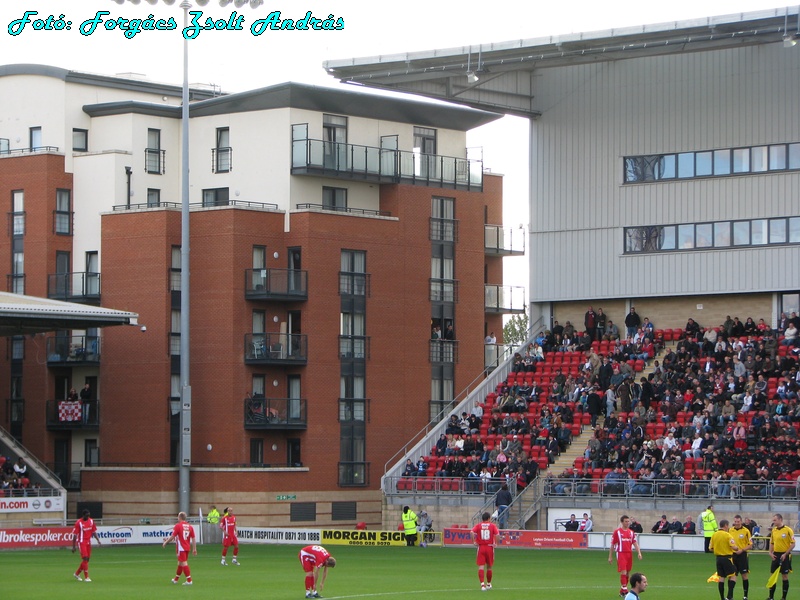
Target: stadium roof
x=21, y=315
x=505, y=70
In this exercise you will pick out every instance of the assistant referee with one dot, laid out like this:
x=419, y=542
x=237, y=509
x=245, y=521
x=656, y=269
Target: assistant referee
x=781, y=544
x=724, y=546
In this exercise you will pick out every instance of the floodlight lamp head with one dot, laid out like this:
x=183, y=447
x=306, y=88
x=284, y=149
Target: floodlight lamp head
x=789, y=40
x=256, y=3
x=472, y=77
x=151, y=1
x=224, y=3
x=239, y=3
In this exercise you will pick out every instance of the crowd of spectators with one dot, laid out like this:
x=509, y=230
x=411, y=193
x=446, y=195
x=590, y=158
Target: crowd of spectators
x=718, y=416
x=15, y=479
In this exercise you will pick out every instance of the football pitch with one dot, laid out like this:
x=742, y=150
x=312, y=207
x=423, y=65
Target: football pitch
x=273, y=572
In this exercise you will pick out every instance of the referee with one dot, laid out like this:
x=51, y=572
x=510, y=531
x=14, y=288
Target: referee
x=741, y=562
x=781, y=544
x=723, y=546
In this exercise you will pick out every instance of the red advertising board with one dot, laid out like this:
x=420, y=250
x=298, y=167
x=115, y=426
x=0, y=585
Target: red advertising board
x=515, y=538
x=36, y=537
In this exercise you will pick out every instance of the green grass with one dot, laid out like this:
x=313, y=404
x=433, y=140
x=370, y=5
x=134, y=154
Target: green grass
x=274, y=573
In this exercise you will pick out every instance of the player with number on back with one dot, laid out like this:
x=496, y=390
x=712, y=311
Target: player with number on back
x=314, y=558
x=183, y=536
x=486, y=536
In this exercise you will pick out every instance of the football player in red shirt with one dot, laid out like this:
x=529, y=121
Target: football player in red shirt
x=183, y=536
x=624, y=540
x=486, y=536
x=82, y=534
x=314, y=558
x=229, y=537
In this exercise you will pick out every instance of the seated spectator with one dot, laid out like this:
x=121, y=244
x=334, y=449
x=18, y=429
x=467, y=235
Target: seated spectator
x=409, y=469
x=675, y=526
x=20, y=468
x=572, y=524
x=661, y=526
x=422, y=467
x=689, y=527
x=586, y=523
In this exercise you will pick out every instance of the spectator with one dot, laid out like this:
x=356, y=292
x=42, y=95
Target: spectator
x=661, y=526
x=586, y=523
x=572, y=524
x=689, y=527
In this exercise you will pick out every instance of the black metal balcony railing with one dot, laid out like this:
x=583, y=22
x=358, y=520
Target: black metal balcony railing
x=276, y=284
x=221, y=160
x=344, y=209
x=443, y=230
x=83, y=287
x=154, y=160
x=354, y=473
x=504, y=298
x=275, y=413
x=196, y=205
x=443, y=351
x=331, y=159
x=353, y=284
x=504, y=242
x=73, y=350
x=66, y=414
x=444, y=290
x=275, y=348
x=15, y=283
x=354, y=347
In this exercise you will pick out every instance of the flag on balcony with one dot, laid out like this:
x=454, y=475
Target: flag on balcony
x=69, y=411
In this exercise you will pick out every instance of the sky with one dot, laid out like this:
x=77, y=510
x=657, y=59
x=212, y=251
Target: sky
x=238, y=60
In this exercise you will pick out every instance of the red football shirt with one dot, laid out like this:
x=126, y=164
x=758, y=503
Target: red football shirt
x=228, y=524
x=184, y=534
x=622, y=540
x=84, y=530
x=485, y=533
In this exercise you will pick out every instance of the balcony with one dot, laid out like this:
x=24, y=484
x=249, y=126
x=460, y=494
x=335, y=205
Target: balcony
x=275, y=413
x=83, y=287
x=443, y=351
x=73, y=350
x=354, y=347
x=285, y=285
x=275, y=349
x=505, y=299
x=64, y=415
x=503, y=242
x=384, y=165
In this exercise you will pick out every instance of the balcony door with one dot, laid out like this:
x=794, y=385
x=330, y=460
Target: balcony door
x=62, y=275
x=334, y=133
x=425, y=152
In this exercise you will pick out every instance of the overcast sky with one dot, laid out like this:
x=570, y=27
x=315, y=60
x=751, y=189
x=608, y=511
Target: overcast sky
x=238, y=60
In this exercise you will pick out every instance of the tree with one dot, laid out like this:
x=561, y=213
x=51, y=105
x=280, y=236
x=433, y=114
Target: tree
x=515, y=331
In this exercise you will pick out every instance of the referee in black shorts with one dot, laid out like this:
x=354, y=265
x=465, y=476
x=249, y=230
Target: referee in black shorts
x=723, y=546
x=781, y=544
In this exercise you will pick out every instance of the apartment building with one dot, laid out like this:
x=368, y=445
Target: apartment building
x=346, y=265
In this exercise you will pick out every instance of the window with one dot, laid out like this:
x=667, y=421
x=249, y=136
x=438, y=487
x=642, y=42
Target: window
x=443, y=223
x=352, y=442
x=215, y=197
x=35, y=138
x=222, y=151
x=80, y=140
x=63, y=216
x=259, y=385
x=424, y=152
x=256, y=451
x=91, y=453
x=721, y=234
x=18, y=347
x=353, y=279
x=259, y=272
x=17, y=266
x=18, y=202
x=712, y=163
x=441, y=396
x=334, y=198
x=153, y=154
x=175, y=333
x=259, y=321
x=175, y=269
x=153, y=197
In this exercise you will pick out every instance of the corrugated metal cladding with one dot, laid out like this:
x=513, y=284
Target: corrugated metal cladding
x=593, y=115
